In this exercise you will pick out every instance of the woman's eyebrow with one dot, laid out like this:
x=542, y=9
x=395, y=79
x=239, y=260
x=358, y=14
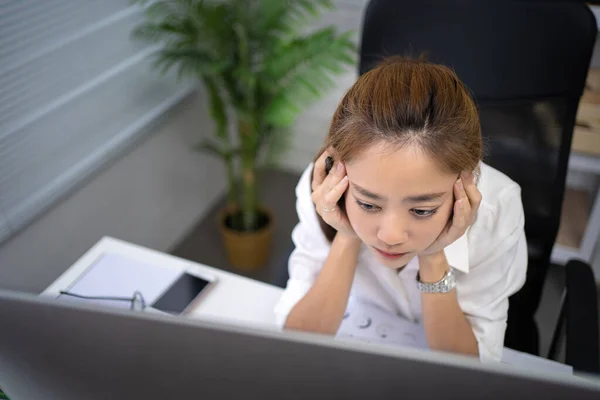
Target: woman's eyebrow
x=368, y=193
x=422, y=198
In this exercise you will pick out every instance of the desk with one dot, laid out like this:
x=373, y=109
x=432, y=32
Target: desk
x=233, y=299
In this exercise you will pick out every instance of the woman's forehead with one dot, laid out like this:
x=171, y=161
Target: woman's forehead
x=392, y=172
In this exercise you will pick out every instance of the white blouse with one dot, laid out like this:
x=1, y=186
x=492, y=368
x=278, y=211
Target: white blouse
x=490, y=260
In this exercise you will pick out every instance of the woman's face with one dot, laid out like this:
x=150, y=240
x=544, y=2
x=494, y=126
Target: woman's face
x=398, y=201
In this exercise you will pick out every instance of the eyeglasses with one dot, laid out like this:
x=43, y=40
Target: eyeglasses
x=137, y=300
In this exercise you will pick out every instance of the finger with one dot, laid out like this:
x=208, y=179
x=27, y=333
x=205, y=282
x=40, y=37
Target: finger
x=329, y=183
x=473, y=193
x=335, y=194
x=319, y=173
x=459, y=189
x=335, y=176
x=459, y=221
x=461, y=194
x=462, y=206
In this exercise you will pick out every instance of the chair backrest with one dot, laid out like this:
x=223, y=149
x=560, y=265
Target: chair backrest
x=579, y=313
x=526, y=63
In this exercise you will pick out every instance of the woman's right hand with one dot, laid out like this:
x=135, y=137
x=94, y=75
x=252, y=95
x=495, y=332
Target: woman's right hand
x=327, y=190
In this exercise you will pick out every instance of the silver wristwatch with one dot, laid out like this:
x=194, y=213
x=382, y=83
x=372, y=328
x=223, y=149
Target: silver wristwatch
x=444, y=285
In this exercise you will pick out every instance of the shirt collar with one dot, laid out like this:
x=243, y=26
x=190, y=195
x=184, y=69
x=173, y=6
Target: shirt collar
x=457, y=254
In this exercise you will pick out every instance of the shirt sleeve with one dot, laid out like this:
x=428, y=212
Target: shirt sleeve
x=310, y=252
x=498, y=266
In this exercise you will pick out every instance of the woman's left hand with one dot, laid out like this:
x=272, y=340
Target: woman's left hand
x=468, y=199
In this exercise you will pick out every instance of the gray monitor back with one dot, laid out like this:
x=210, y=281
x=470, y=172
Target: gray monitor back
x=56, y=350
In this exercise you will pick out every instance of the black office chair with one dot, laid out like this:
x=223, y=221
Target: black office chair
x=578, y=320
x=526, y=63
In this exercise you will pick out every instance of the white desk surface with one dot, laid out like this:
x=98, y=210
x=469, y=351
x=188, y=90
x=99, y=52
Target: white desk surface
x=234, y=298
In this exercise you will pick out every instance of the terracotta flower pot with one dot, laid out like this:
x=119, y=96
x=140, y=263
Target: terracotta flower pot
x=246, y=250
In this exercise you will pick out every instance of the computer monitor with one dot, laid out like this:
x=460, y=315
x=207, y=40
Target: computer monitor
x=66, y=350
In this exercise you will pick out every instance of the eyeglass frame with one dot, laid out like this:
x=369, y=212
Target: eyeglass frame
x=137, y=295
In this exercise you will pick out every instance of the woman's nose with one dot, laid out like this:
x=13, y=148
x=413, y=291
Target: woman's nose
x=393, y=232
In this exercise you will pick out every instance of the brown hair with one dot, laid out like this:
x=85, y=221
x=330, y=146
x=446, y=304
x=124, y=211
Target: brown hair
x=408, y=102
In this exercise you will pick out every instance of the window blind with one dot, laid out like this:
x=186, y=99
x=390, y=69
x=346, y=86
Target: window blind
x=75, y=90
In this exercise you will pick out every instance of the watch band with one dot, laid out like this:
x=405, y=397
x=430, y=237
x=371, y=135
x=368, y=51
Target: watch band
x=444, y=285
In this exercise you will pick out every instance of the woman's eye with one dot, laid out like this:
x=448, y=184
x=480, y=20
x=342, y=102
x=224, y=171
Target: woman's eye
x=423, y=213
x=366, y=207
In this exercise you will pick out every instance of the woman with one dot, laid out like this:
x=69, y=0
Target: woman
x=409, y=218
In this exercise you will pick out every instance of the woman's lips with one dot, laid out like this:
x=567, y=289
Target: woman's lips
x=391, y=256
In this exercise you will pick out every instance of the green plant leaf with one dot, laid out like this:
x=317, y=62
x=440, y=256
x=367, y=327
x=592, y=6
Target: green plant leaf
x=190, y=62
x=305, y=73
x=281, y=19
x=217, y=107
x=259, y=67
x=158, y=9
x=277, y=144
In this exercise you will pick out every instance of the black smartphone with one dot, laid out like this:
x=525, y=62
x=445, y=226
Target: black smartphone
x=178, y=298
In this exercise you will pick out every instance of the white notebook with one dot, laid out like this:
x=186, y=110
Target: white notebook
x=117, y=276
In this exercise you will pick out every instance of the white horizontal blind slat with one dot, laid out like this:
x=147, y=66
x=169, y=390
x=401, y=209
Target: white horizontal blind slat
x=51, y=185
x=33, y=32
x=42, y=29
x=34, y=18
x=75, y=89
x=5, y=231
x=25, y=138
x=8, y=9
x=46, y=78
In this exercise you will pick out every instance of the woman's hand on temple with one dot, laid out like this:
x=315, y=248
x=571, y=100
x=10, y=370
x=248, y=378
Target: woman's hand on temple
x=466, y=204
x=327, y=190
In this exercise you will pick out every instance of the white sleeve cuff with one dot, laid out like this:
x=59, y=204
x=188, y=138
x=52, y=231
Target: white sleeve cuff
x=490, y=341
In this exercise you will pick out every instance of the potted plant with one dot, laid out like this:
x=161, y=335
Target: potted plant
x=260, y=68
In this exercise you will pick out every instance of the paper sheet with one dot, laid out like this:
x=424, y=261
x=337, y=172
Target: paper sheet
x=367, y=322
x=116, y=276
x=370, y=323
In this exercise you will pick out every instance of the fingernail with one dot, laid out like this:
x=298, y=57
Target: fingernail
x=460, y=184
x=460, y=204
x=339, y=167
